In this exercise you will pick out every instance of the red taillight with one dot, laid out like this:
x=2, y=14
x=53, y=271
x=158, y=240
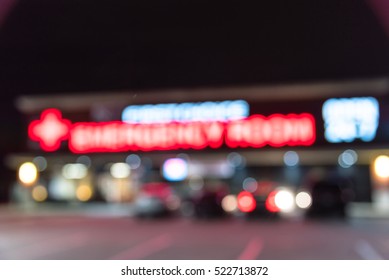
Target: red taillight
x=246, y=202
x=270, y=203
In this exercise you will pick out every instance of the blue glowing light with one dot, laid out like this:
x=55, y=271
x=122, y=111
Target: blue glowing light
x=186, y=112
x=348, y=119
x=175, y=169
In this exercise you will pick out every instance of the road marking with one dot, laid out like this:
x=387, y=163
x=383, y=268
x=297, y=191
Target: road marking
x=366, y=251
x=49, y=246
x=252, y=250
x=145, y=249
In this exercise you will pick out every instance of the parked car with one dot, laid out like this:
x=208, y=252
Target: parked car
x=156, y=199
x=329, y=200
x=272, y=201
x=257, y=206
x=207, y=202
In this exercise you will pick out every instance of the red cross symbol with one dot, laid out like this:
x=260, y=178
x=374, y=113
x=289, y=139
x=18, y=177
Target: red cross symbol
x=50, y=130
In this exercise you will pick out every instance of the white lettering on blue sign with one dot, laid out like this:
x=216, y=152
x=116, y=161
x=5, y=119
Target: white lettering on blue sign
x=348, y=119
x=186, y=112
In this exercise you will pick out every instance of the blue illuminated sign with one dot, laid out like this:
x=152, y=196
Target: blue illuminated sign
x=186, y=112
x=348, y=119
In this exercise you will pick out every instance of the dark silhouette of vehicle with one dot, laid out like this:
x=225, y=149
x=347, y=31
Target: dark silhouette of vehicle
x=156, y=199
x=207, y=202
x=329, y=200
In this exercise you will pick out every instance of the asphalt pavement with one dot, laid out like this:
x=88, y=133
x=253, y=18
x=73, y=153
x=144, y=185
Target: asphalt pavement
x=72, y=235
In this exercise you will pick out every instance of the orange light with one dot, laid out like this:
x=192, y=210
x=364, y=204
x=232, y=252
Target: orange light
x=39, y=193
x=246, y=202
x=84, y=192
x=381, y=167
x=28, y=174
x=270, y=203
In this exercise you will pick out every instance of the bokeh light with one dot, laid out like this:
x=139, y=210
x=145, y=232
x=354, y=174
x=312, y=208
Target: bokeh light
x=120, y=170
x=40, y=163
x=85, y=160
x=230, y=203
x=175, y=169
x=133, y=161
x=196, y=183
x=381, y=166
x=348, y=158
x=291, y=158
x=28, y=173
x=270, y=203
x=74, y=171
x=236, y=160
x=84, y=192
x=39, y=193
x=250, y=184
x=246, y=202
x=303, y=200
x=284, y=200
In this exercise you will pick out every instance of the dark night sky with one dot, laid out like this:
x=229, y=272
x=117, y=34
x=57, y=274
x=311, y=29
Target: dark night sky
x=50, y=46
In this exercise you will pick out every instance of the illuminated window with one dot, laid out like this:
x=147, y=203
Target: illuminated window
x=348, y=119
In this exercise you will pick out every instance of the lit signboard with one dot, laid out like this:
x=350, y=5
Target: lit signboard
x=50, y=130
x=117, y=136
x=348, y=119
x=186, y=112
x=276, y=130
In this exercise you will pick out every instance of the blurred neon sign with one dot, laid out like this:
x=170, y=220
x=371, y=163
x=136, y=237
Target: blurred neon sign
x=50, y=130
x=276, y=130
x=186, y=112
x=117, y=136
x=348, y=119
